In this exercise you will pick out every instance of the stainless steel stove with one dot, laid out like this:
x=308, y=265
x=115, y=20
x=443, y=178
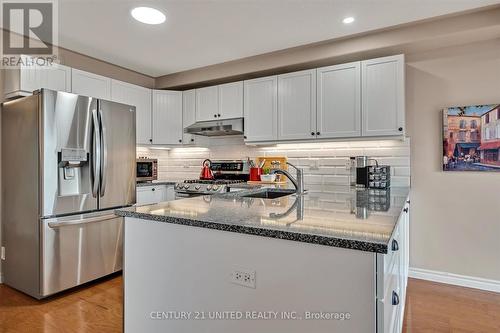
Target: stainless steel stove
x=226, y=173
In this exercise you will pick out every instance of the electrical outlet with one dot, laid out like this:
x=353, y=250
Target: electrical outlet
x=2, y=253
x=243, y=277
x=314, y=165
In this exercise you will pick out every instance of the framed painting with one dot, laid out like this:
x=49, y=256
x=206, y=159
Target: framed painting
x=471, y=138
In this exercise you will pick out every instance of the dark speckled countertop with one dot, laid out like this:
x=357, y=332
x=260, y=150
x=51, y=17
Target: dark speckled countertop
x=156, y=183
x=338, y=216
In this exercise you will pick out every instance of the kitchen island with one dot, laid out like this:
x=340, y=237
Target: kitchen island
x=334, y=261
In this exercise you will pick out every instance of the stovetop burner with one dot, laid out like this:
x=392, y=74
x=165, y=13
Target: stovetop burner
x=214, y=181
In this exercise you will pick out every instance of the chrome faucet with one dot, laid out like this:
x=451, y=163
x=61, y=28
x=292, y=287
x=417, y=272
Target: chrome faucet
x=297, y=182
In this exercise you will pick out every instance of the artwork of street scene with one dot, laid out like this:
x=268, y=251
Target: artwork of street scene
x=471, y=138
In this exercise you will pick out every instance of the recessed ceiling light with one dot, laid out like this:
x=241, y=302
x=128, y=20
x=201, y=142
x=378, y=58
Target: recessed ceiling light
x=148, y=15
x=348, y=20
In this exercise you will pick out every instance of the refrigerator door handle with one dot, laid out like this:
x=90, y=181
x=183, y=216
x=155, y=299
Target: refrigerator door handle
x=104, y=155
x=78, y=221
x=96, y=154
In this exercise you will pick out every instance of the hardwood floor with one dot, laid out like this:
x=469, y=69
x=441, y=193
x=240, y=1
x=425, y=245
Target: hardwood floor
x=97, y=308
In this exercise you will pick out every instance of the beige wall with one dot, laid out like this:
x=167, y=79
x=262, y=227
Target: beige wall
x=455, y=216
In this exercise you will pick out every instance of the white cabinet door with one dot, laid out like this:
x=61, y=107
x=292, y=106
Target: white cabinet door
x=231, y=100
x=148, y=195
x=145, y=195
x=297, y=105
x=261, y=109
x=339, y=101
x=383, y=96
x=26, y=79
x=139, y=97
x=90, y=84
x=188, y=114
x=207, y=103
x=167, y=117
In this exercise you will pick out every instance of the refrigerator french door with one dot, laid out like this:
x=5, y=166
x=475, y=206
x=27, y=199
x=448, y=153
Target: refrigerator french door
x=68, y=161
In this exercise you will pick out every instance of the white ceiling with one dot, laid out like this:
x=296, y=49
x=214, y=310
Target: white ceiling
x=203, y=32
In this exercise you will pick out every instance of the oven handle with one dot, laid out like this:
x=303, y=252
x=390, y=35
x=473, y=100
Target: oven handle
x=79, y=221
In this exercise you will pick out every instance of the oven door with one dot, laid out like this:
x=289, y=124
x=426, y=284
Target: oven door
x=184, y=195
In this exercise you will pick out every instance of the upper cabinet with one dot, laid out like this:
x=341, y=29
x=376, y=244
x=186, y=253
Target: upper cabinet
x=207, y=103
x=139, y=97
x=297, y=105
x=90, y=84
x=261, y=109
x=167, y=117
x=383, y=96
x=339, y=101
x=188, y=114
x=26, y=79
x=224, y=101
x=230, y=100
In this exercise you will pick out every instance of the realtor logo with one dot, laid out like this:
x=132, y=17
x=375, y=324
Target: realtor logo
x=28, y=28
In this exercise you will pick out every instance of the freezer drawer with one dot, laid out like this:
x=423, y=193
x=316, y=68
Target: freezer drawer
x=78, y=249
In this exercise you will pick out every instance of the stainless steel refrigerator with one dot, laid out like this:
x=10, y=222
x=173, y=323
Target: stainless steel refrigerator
x=67, y=162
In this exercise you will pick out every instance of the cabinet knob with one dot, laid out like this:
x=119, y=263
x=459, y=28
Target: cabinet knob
x=395, y=245
x=318, y=133
x=395, y=298
x=192, y=140
x=150, y=140
x=215, y=116
x=312, y=133
x=153, y=189
x=244, y=136
x=218, y=115
x=400, y=129
x=180, y=140
x=408, y=202
x=405, y=210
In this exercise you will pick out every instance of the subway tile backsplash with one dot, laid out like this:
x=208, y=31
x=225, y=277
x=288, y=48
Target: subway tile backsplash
x=324, y=162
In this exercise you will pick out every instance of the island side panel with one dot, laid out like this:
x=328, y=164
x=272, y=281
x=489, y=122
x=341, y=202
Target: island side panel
x=172, y=268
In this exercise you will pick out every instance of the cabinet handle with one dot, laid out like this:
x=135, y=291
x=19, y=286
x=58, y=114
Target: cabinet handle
x=395, y=245
x=395, y=298
x=408, y=202
x=153, y=189
x=400, y=129
x=318, y=133
x=405, y=210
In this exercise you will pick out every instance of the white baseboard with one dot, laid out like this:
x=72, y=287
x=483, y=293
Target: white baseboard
x=455, y=279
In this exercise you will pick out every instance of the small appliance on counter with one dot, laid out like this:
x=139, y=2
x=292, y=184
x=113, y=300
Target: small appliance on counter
x=147, y=169
x=223, y=174
x=370, y=176
x=206, y=171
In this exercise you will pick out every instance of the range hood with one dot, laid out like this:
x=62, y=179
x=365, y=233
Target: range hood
x=216, y=127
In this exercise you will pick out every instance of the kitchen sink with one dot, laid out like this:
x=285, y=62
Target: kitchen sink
x=269, y=194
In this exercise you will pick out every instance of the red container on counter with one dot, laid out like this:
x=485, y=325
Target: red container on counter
x=255, y=174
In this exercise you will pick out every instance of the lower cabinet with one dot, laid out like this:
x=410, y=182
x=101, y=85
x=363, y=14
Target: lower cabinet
x=148, y=195
x=392, y=278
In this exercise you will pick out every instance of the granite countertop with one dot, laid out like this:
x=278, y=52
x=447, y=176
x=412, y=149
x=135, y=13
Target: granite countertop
x=156, y=182
x=338, y=216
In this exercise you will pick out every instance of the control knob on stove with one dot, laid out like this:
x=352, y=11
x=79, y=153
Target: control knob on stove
x=197, y=187
x=215, y=187
x=209, y=187
x=186, y=186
